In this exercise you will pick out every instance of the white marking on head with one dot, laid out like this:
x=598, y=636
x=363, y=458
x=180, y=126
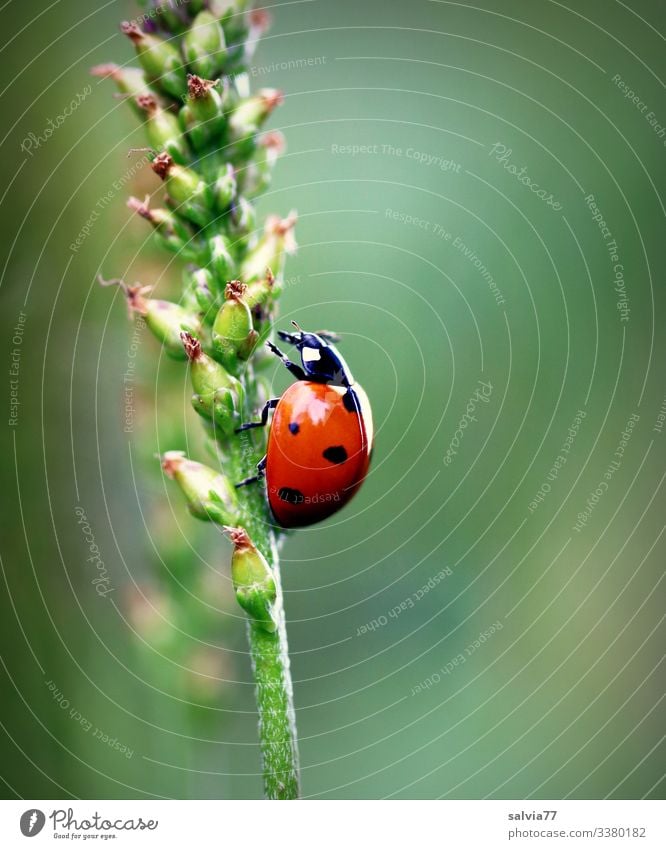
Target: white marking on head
x=310, y=355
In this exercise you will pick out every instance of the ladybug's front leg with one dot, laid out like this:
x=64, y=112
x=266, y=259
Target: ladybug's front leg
x=294, y=369
x=261, y=473
x=271, y=404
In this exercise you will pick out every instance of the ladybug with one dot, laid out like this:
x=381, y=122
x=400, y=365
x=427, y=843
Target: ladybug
x=321, y=435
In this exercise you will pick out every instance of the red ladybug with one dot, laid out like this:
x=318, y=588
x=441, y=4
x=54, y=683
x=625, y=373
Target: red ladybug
x=321, y=435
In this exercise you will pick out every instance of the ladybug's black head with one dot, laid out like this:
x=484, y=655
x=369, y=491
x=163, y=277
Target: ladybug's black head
x=321, y=360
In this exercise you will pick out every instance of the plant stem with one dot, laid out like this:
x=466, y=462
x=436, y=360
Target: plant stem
x=269, y=654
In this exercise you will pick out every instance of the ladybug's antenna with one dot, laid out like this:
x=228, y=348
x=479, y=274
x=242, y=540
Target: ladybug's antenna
x=296, y=326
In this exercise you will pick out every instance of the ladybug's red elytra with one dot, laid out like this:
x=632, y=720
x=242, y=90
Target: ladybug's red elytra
x=321, y=436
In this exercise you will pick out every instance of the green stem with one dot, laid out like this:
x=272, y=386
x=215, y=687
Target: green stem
x=269, y=654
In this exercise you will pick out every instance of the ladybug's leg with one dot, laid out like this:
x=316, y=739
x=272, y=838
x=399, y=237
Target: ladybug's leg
x=261, y=473
x=271, y=404
x=296, y=370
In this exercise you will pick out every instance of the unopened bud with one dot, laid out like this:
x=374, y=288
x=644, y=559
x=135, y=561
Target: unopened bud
x=203, y=113
x=234, y=336
x=221, y=258
x=190, y=194
x=225, y=188
x=262, y=292
x=164, y=319
x=129, y=81
x=204, y=46
x=218, y=396
x=210, y=495
x=162, y=128
x=171, y=231
x=201, y=286
x=252, y=579
x=277, y=241
x=251, y=112
x=159, y=59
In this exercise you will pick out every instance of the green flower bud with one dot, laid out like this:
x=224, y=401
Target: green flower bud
x=171, y=231
x=190, y=194
x=251, y=112
x=164, y=319
x=252, y=579
x=277, y=241
x=225, y=188
x=261, y=293
x=204, y=46
x=218, y=396
x=129, y=81
x=159, y=59
x=234, y=336
x=162, y=128
x=228, y=11
x=201, y=284
x=221, y=258
x=172, y=18
x=210, y=496
x=203, y=115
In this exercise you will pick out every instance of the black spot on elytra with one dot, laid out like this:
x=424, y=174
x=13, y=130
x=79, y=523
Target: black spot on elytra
x=351, y=402
x=291, y=496
x=293, y=428
x=335, y=454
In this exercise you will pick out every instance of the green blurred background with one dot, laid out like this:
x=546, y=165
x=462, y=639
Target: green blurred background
x=147, y=692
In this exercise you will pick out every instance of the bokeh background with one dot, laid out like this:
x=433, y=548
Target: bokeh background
x=453, y=633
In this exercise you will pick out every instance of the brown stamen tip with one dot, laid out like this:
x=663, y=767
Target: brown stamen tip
x=136, y=300
x=162, y=164
x=270, y=278
x=132, y=31
x=141, y=207
x=171, y=462
x=239, y=537
x=192, y=346
x=274, y=141
x=234, y=290
x=272, y=97
x=107, y=71
x=198, y=87
x=147, y=102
